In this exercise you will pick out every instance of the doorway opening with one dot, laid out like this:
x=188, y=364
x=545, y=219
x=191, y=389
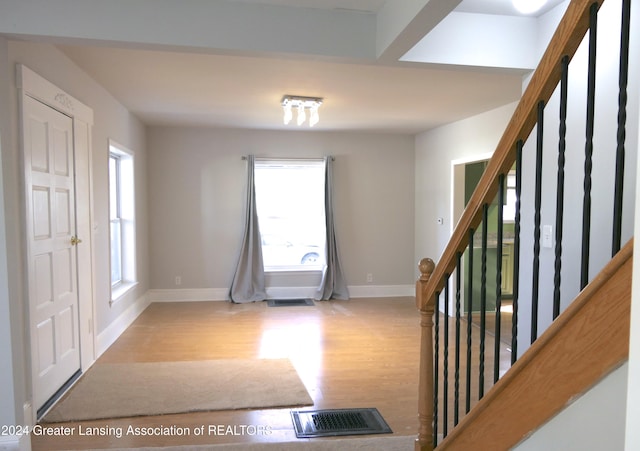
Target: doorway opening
x=466, y=173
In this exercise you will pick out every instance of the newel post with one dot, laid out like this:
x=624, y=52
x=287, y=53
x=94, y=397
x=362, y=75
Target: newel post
x=424, y=442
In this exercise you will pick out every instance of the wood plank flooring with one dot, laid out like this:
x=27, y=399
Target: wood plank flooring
x=357, y=353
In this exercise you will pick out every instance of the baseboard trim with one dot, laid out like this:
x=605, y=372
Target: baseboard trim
x=11, y=442
x=24, y=443
x=381, y=291
x=19, y=442
x=189, y=295
x=222, y=294
x=108, y=336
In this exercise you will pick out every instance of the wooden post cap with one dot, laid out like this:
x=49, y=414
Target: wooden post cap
x=426, y=267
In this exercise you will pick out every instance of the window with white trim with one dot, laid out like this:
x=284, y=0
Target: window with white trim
x=121, y=219
x=290, y=205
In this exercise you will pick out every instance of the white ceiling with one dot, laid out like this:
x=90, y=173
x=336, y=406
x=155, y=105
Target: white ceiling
x=501, y=7
x=230, y=87
x=166, y=88
x=370, y=6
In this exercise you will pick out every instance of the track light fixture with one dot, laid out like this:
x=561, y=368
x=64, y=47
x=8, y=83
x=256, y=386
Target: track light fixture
x=302, y=104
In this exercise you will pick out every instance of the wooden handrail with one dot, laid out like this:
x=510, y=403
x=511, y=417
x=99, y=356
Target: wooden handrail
x=565, y=42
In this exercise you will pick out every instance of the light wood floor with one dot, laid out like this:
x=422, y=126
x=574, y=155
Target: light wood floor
x=357, y=353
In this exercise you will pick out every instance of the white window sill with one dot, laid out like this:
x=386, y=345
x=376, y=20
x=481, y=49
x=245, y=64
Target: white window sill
x=121, y=290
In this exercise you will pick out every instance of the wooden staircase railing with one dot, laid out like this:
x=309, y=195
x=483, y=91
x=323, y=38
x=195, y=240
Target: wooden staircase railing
x=579, y=19
x=581, y=347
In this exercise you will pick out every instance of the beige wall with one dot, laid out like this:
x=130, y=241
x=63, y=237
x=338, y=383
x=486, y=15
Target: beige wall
x=197, y=193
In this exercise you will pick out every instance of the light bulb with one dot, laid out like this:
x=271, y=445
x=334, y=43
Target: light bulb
x=314, y=117
x=302, y=116
x=288, y=114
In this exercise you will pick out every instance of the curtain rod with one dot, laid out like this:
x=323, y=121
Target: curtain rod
x=244, y=157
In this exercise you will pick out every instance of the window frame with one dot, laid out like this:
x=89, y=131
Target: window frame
x=509, y=208
x=125, y=220
x=116, y=219
x=291, y=163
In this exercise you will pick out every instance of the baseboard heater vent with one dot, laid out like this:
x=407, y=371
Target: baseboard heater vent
x=289, y=302
x=333, y=422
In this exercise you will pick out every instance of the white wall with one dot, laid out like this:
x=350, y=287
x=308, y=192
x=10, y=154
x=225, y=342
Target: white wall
x=197, y=193
x=112, y=120
x=8, y=407
x=435, y=150
x=632, y=440
x=632, y=437
x=498, y=41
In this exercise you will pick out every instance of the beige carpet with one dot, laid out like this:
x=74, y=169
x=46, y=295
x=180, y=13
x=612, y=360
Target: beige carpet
x=142, y=389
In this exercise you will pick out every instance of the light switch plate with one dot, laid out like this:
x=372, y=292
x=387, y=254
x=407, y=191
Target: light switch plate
x=547, y=236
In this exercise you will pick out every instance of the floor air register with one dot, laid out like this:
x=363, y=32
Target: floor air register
x=334, y=422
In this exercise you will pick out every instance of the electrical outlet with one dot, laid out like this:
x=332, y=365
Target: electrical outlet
x=369, y=278
x=178, y=280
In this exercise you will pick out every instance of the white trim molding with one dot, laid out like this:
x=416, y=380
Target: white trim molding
x=189, y=295
x=381, y=291
x=11, y=442
x=17, y=442
x=46, y=92
x=222, y=294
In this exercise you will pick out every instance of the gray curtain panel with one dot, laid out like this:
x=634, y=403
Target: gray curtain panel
x=248, y=281
x=333, y=284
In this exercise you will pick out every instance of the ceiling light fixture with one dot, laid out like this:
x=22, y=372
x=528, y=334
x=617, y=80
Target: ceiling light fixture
x=302, y=104
x=528, y=6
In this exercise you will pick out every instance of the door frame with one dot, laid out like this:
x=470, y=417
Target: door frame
x=457, y=208
x=30, y=84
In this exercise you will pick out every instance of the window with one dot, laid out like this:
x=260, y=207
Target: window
x=121, y=218
x=509, y=209
x=115, y=217
x=290, y=204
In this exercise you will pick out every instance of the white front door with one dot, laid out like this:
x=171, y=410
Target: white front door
x=51, y=245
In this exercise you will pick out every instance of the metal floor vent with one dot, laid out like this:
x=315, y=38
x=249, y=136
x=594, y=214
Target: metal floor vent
x=325, y=423
x=289, y=302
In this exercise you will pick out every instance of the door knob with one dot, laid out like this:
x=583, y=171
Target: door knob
x=75, y=240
